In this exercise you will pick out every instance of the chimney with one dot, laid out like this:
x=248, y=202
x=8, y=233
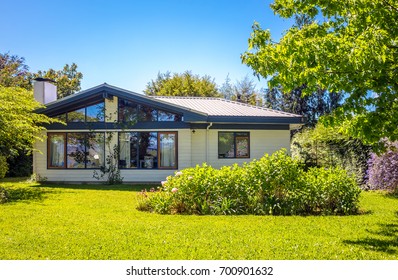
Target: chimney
x=44, y=91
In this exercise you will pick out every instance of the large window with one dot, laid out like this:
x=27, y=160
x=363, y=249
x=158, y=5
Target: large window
x=133, y=112
x=148, y=150
x=92, y=113
x=233, y=145
x=76, y=150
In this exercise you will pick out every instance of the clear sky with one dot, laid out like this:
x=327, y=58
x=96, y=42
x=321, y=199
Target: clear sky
x=126, y=43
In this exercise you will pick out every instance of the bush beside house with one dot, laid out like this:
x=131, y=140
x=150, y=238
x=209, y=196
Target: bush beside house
x=272, y=185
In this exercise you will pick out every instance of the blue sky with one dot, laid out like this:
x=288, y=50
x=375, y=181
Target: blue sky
x=126, y=43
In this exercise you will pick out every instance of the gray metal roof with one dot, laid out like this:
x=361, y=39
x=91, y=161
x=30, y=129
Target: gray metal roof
x=223, y=107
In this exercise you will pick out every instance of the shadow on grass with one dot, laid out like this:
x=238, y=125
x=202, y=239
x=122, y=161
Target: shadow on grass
x=101, y=187
x=25, y=194
x=385, y=239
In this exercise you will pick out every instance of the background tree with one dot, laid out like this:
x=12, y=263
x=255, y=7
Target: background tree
x=311, y=106
x=227, y=89
x=245, y=91
x=350, y=46
x=185, y=84
x=68, y=79
x=14, y=72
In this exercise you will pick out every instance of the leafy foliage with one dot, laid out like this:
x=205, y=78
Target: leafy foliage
x=3, y=166
x=327, y=147
x=20, y=125
x=383, y=169
x=14, y=72
x=349, y=46
x=185, y=84
x=68, y=79
x=312, y=106
x=275, y=185
x=110, y=170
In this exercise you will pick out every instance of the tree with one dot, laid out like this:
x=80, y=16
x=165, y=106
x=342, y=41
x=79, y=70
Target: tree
x=312, y=106
x=245, y=91
x=68, y=79
x=20, y=125
x=185, y=84
x=14, y=72
x=351, y=46
x=227, y=89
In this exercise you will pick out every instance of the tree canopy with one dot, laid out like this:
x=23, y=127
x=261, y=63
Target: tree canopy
x=185, y=84
x=20, y=125
x=14, y=72
x=349, y=46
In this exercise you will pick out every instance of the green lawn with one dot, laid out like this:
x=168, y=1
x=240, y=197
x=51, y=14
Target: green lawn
x=100, y=222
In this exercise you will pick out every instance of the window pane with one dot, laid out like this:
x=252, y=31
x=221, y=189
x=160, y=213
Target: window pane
x=95, y=150
x=128, y=154
x=226, y=148
x=75, y=150
x=167, y=146
x=242, y=146
x=148, y=150
x=77, y=115
x=147, y=114
x=95, y=113
x=165, y=116
x=127, y=111
x=56, y=150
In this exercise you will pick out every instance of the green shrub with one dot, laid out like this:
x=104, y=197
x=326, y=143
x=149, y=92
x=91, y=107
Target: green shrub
x=272, y=185
x=4, y=196
x=330, y=191
x=3, y=167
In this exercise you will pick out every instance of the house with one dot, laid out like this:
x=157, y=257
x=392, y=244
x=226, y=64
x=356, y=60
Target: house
x=155, y=136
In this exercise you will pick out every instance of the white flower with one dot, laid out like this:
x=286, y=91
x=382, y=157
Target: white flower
x=174, y=190
x=179, y=173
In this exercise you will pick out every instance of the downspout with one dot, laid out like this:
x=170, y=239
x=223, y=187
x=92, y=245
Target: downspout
x=207, y=141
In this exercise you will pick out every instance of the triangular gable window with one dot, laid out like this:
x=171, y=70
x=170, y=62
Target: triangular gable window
x=133, y=112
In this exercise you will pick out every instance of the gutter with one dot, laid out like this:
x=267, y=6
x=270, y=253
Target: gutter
x=207, y=141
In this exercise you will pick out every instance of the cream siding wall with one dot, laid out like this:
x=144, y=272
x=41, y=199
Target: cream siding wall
x=261, y=142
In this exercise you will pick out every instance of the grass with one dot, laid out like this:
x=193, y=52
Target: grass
x=101, y=222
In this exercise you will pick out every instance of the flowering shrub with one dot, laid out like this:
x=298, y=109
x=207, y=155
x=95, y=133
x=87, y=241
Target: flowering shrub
x=383, y=169
x=272, y=185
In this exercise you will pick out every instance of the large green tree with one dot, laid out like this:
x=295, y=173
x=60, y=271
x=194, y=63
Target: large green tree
x=349, y=46
x=185, y=84
x=20, y=125
x=14, y=72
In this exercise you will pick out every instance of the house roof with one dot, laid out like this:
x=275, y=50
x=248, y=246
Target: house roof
x=194, y=109
x=222, y=107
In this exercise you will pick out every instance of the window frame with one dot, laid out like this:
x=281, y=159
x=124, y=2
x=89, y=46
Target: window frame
x=65, y=135
x=236, y=135
x=175, y=150
x=158, y=166
x=49, y=134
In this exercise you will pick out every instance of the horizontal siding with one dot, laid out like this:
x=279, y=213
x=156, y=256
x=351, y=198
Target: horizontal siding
x=198, y=150
x=261, y=142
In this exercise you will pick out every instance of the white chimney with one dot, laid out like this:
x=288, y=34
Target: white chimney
x=44, y=91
